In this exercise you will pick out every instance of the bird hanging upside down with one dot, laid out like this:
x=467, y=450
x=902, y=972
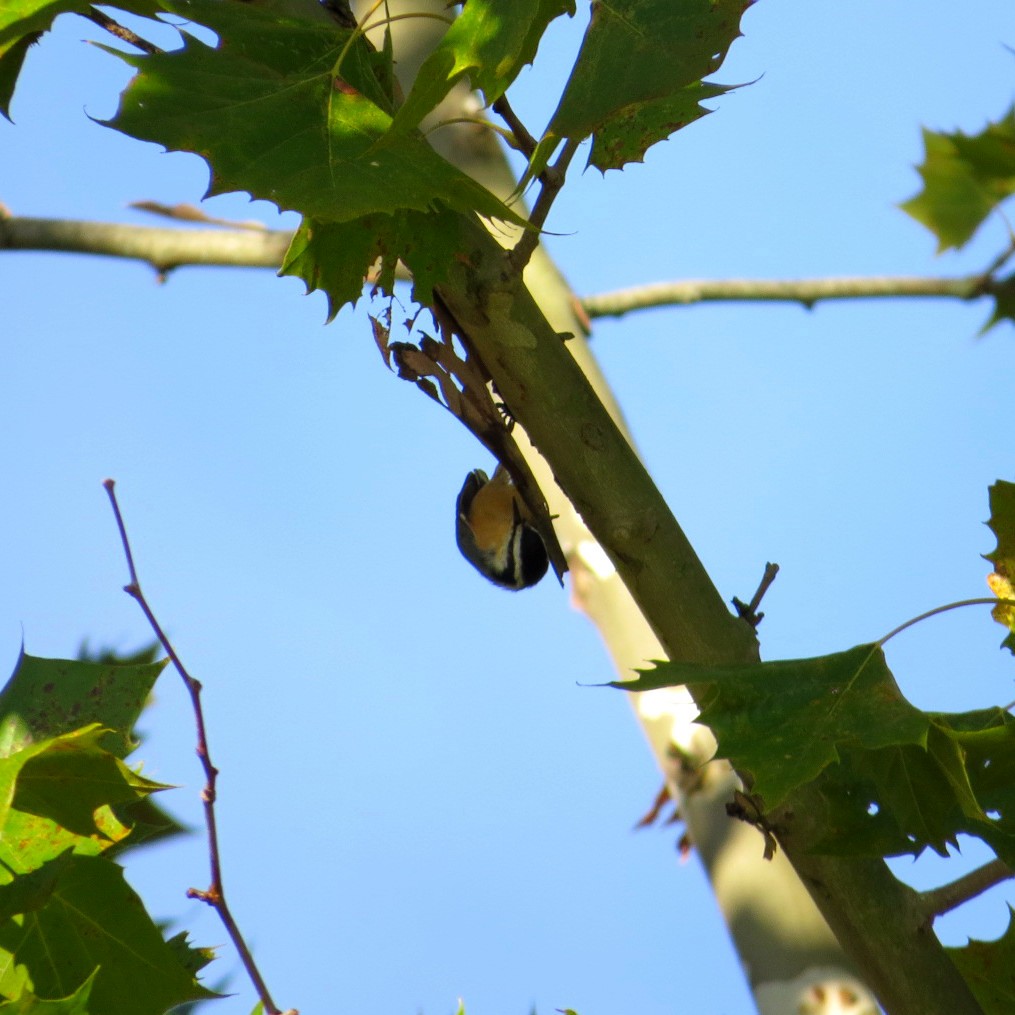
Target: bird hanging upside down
x=495, y=534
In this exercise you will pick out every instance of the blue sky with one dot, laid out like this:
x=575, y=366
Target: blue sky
x=418, y=801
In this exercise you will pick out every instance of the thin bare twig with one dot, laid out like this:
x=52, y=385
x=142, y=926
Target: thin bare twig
x=942, y=900
x=120, y=31
x=163, y=247
x=749, y=611
x=214, y=895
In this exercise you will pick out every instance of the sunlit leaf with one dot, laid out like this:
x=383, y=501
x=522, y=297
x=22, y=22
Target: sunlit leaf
x=292, y=108
x=61, y=793
x=77, y=1003
x=965, y=177
x=489, y=42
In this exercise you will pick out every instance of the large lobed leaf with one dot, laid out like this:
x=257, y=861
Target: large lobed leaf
x=784, y=722
x=46, y=697
x=330, y=256
x=295, y=109
x=965, y=177
x=893, y=779
x=63, y=793
x=276, y=113
x=73, y=936
x=639, y=75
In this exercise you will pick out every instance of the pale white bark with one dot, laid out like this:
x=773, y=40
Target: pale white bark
x=791, y=958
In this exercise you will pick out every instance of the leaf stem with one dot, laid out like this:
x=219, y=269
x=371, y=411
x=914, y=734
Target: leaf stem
x=939, y=901
x=984, y=601
x=214, y=895
x=552, y=180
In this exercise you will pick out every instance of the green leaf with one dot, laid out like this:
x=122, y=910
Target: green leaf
x=46, y=697
x=855, y=822
x=92, y=920
x=965, y=177
x=986, y=738
x=74, y=1004
x=192, y=959
x=59, y=794
x=72, y=777
x=900, y=800
x=147, y=821
x=989, y=969
x=489, y=42
x=1002, y=581
x=907, y=786
x=292, y=108
x=31, y=891
x=638, y=77
x=626, y=140
x=332, y=256
x=785, y=722
x=11, y=63
x=148, y=824
x=892, y=779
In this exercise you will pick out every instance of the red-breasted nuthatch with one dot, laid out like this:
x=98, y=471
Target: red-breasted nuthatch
x=494, y=533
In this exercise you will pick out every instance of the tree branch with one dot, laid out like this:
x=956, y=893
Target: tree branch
x=161, y=247
x=877, y=919
x=167, y=248
x=941, y=900
x=804, y=291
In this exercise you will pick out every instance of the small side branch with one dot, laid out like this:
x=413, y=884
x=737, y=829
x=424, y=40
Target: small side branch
x=749, y=611
x=162, y=248
x=167, y=248
x=214, y=895
x=939, y=901
x=804, y=291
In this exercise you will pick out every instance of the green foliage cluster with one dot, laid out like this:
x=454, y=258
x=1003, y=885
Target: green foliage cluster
x=298, y=109
x=893, y=779
x=74, y=937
